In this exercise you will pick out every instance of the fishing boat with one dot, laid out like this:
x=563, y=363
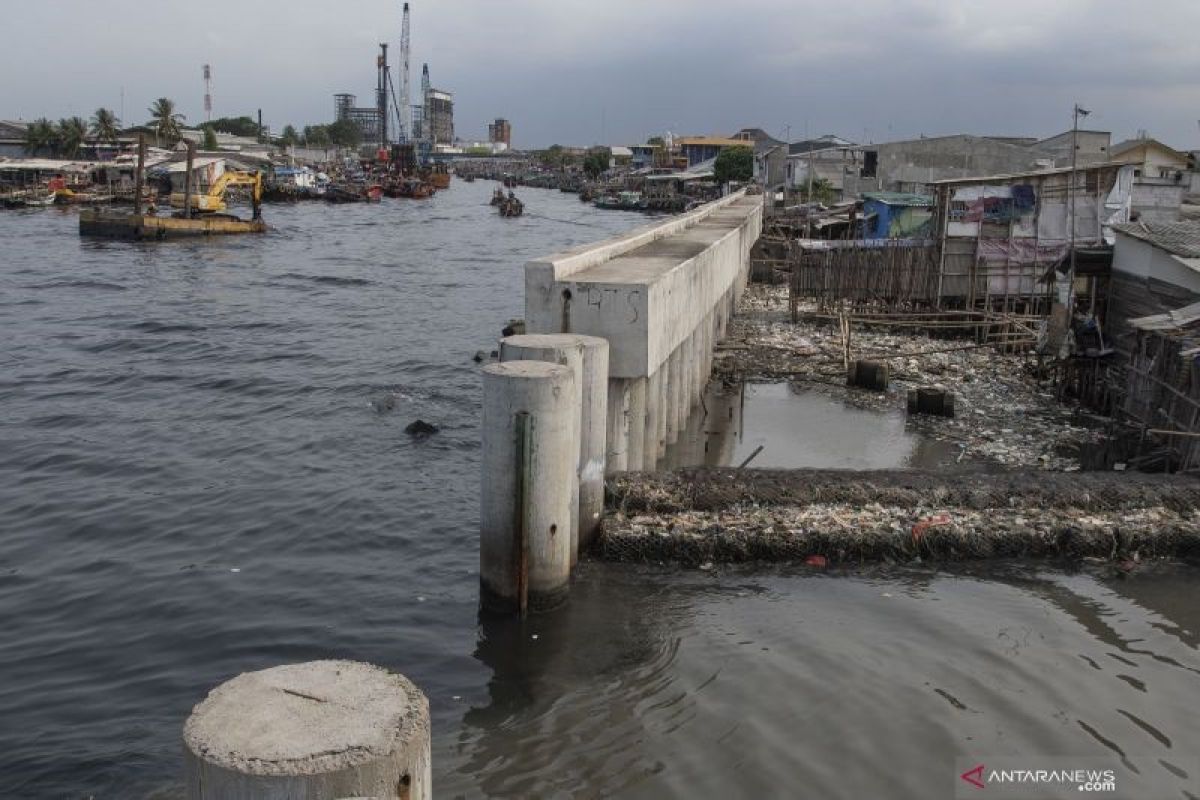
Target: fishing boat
x=622, y=201
x=39, y=200
x=353, y=193
x=511, y=207
x=438, y=176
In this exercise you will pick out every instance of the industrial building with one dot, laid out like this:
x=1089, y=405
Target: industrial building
x=369, y=120
x=500, y=132
x=439, y=117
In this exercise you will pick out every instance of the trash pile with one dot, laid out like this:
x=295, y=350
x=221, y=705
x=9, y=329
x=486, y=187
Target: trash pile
x=1003, y=415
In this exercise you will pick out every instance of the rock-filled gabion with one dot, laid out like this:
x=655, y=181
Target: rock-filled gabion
x=702, y=516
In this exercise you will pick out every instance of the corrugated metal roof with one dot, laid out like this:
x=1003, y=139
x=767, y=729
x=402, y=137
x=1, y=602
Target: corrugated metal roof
x=1172, y=320
x=900, y=198
x=1082, y=168
x=44, y=164
x=1177, y=238
x=197, y=163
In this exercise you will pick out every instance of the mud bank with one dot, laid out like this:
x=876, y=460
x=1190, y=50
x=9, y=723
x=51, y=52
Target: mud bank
x=696, y=517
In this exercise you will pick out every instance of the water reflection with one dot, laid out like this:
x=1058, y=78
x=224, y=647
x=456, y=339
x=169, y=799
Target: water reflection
x=658, y=682
x=798, y=427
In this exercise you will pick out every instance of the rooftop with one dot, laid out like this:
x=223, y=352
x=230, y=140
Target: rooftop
x=1177, y=238
x=712, y=141
x=1133, y=144
x=827, y=142
x=1170, y=321
x=1036, y=173
x=900, y=198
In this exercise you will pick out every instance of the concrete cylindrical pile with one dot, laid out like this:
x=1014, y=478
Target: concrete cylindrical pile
x=314, y=731
x=530, y=455
x=587, y=356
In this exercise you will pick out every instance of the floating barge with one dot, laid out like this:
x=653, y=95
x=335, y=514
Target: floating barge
x=106, y=224
x=138, y=226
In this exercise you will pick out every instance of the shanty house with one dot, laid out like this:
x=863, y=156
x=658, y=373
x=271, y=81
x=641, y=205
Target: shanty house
x=703, y=148
x=1156, y=268
x=896, y=215
x=999, y=235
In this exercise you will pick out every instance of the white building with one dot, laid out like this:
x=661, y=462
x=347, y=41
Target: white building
x=1156, y=269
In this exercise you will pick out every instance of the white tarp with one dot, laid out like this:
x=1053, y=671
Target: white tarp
x=969, y=194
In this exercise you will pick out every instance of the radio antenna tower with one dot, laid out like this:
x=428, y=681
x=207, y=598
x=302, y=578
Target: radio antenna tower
x=207, y=93
x=405, y=121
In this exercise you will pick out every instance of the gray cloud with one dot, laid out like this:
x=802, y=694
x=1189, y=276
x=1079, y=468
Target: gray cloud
x=619, y=71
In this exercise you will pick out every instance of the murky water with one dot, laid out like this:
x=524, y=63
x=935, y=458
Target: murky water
x=203, y=471
x=789, y=426
x=750, y=683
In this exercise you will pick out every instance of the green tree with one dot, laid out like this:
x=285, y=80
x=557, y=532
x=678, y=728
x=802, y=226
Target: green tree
x=317, y=136
x=656, y=141
x=165, y=122
x=71, y=133
x=734, y=164
x=210, y=139
x=289, y=136
x=105, y=125
x=822, y=191
x=235, y=126
x=40, y=135
x=597, y=161
x=345, y=133
x=553, y=156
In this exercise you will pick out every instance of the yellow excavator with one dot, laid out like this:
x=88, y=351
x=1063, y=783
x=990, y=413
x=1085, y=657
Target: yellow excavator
x=214, y=200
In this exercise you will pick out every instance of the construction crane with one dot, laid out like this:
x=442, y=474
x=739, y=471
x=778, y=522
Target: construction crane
x=405, y=110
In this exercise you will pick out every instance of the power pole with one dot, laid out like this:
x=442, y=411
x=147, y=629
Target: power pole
x=1078, y=112
x=381, y=95
x=808, y=192
x=207, y=93
x=405, y=121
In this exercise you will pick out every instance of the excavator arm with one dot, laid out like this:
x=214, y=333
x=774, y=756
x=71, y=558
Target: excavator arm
x=214, y=200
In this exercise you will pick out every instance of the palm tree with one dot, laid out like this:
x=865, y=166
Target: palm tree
x=165, y=121
x=71, y=133
x=105, y=125
x=40, y=135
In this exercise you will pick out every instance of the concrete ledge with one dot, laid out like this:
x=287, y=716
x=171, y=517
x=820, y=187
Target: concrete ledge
x=649, y=292
x=562, y=265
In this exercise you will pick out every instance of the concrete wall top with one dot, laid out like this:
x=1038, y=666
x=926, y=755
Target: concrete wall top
x=567, y=263
x=648, y=292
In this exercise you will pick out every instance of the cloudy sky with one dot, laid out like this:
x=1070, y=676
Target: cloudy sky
x=618, y=71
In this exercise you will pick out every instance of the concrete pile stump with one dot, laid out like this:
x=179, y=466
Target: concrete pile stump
x=531, y=418
x=315, y=731
x=933, y=400
x=871, y=375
